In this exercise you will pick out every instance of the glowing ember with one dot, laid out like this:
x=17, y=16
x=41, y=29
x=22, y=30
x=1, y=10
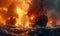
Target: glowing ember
x=32, y=18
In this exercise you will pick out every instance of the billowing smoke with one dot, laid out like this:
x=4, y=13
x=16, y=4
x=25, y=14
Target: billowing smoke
x=54, y=11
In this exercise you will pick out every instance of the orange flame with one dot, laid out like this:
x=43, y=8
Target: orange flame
x=50, y=22
x=32, y=18
x=23, y=19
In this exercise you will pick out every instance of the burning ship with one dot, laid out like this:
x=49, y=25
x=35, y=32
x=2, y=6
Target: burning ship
x=22, y=17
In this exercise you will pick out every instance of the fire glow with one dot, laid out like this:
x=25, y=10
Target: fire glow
x=23, y=19
x=17, y=16
x=21, y=10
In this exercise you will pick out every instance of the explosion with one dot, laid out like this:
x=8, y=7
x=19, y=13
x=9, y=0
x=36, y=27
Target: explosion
x=16, y=16
x=18, y=19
